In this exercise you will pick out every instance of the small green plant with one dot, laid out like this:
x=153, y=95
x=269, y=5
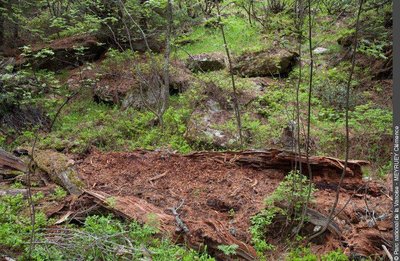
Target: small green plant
x=17, y=185
x=59, y=193
x=301, y=254
x=111, y=201
x=336, y=255
x=305, y=254
x=258, y=229
x=231, y=213
x=288, y=198
x=228, y=249
x=104, y=238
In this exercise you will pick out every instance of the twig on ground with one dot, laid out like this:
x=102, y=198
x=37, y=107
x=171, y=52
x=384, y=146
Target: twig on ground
x=158, y=176
x=389, y=255
x=181, y=225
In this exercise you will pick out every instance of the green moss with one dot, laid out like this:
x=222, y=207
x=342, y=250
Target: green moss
x=238, y=34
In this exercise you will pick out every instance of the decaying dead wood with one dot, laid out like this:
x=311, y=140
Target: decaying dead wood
x=158, y=176
x=181, y=225
x=387, y=252
x=281, y=159
x=60, y=170
x=318, y=219
x=198, y=233
x=207, y=232
x=9, y=161
x=58, y=166
x=13, y=192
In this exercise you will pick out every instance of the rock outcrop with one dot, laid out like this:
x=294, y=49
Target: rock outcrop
x=64, y=53
x=206, y=62
x=129, y=90
x=264, y=63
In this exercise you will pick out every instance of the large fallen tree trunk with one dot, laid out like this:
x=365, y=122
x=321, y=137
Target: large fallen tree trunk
x=195, y=232
x=208, y=233
x=58, y=166
x=285, y=160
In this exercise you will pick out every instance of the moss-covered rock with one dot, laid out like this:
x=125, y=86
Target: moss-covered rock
x=206, y=62
x=265, y=63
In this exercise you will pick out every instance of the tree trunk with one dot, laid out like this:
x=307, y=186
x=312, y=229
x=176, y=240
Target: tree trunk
x=1, y=26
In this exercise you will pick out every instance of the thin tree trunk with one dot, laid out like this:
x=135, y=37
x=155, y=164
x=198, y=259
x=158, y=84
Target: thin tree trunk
x=310, y=85
x=1, y=25
x=165, y=90
x=347, y=148
x=235, y=95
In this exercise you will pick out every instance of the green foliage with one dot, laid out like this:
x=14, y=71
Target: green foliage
x=258, y=229
x=228, y=249
x=16, y=90
x=293, y=192
x=110, y=128
x=336, y=255
x=59, y=193
x=104, y=238
x=305, y=254
x=335, y=6
x=15, y=225
x=238, y=34
x=115, y=60
x=271, y=102
x=301, y=254
x=374, y=49
x=101, y=237
x=331, y=87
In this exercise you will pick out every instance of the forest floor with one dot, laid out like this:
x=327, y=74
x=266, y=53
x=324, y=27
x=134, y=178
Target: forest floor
x=218, y=197
x=136, y=169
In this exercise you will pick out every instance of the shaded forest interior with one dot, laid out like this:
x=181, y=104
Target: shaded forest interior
x=195, y=130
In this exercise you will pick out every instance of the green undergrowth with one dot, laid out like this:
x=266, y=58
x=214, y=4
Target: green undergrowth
x=239, y=35
x=288, y=199
x=15, y=223
x=305, y=254
x=85, y=123
x=99, y=238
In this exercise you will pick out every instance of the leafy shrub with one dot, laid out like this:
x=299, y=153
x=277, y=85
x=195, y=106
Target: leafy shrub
x=335, y=6
x=271, y=102
x=292, y=191
x=331, y=88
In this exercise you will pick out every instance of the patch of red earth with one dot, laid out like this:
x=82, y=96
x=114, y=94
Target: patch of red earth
x=365, y=220
x=211, y=190
x=230, y=194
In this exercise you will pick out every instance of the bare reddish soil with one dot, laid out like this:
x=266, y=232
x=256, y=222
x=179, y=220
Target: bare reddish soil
x=218, y=190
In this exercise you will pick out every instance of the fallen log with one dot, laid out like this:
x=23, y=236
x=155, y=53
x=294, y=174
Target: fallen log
x=201, y=233
x=204, y=231
x=318, y=219
x=60, y=169
x=10, y=162
x=14, y=192
x=281, y=159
